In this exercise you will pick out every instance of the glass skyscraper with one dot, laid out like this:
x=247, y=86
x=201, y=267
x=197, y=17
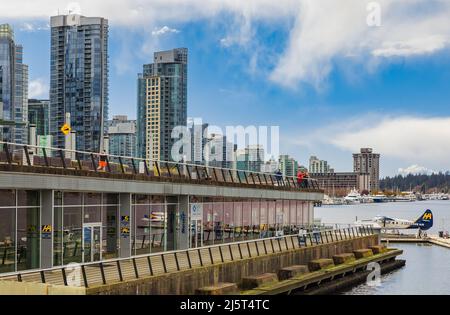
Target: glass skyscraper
x=122, y=136
x=14, y=88
x=39, y=115
x=79, y=79
x=162, y=103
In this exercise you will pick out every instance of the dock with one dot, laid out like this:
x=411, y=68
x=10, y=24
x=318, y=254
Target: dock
x=404, y=238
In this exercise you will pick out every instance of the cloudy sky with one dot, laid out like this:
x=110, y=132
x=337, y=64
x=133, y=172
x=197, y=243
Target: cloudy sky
x=334, y=75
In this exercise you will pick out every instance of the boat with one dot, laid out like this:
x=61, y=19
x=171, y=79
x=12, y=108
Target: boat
x=406, y=197
x=353, y=197
x=379, y=198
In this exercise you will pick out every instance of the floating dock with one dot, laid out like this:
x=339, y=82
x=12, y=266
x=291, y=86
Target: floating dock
x=404, y=238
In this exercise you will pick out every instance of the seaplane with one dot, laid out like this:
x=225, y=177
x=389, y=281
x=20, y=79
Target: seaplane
x=423, y=223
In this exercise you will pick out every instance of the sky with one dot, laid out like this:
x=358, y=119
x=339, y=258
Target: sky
x=335, y=76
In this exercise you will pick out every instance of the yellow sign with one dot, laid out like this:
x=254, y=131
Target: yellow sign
x=125, y=230
x=66, y=129
x=46, y=228
x=427, y=216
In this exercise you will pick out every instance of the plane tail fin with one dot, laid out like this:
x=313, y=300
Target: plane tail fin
x=425, y=221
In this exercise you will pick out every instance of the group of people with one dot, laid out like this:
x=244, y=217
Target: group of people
x=302, y=178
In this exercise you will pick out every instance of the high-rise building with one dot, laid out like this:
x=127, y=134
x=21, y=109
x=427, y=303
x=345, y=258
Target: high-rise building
x=122, y=136
x=14, y=88
x=218, y=151
x=270, y=166
x=367, y=162
x=79, y=79
x=198, y=132
x=162, y=103
x=39, y=116
x=250, y=158
x=318, y=166
x=288, y=165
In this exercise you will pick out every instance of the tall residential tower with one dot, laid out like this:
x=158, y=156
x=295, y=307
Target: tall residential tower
x=13, y=89
x=368, y=163
x=162, y=103
x=79, y=79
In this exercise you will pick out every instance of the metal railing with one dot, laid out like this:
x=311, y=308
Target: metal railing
x=39, y=156
x=135, y=267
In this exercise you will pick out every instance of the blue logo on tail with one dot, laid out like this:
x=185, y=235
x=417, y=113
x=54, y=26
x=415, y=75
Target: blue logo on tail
x=425, y=221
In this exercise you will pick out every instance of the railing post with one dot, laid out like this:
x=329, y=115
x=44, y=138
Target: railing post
x=231, y=252
x=150, y=268
x=157, y=169
x=61, y=155
x=189, y=259
x=146, y=168
x=249, y=251
x=176, y=261
x=102, y=271
x=77, y=156
x=168, y=169
x=200, y=257
x=326, y=236
x=136, y=273
x=42, y=276
x=27, y=155
x=210, y=255
x=164, y=263
x=119, y=270
x=19, y=277
x=221, y=254
x=44, y=152
x=108, y=166
x=134, y=166
x=8, y=154
x=83, y=271
x=340, y=234
x=93, y=162
x=240, y=250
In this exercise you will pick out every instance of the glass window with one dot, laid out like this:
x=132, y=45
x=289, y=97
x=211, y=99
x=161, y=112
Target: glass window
x=28, y=198
x=299, y=213
x=7, y=198
x=263, y=211
x=72, y=234
x=92, y=214
x=92, y=199
x=218, y=220
x=110, y=233
x=208, y=223
x=157, y=227
x=72, y=198
x=142, y=230
x=7, y=238
x=255, y=214
x=271, y=219
x=246, y=214
x=293, y=215
x=279, y=216
x=28, y=238
x=57, y=236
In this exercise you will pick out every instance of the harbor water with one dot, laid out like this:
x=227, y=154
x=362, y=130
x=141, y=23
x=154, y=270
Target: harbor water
x=427, y=266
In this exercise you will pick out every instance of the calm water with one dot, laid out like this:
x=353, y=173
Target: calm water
x=427, y=269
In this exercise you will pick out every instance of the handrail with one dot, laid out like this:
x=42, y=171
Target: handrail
x=313, y=238
x=211, y=171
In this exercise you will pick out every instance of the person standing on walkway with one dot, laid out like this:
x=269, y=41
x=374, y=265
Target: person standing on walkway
x=102, y=161
x=278, y=176
x=300, y=176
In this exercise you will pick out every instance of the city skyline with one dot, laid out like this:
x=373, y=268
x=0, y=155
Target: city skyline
x=369, y=105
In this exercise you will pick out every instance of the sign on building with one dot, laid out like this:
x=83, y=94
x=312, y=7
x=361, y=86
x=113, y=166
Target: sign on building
x=196, y=211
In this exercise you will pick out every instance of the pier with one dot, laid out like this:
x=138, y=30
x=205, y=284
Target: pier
x=405, y=238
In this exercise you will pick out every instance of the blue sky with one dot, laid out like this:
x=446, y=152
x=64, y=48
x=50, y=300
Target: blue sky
x=331, y=83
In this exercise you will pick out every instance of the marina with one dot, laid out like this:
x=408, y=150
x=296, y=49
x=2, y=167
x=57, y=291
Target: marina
x=430, y=254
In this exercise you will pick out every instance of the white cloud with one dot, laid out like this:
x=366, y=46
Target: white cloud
x=415, y=170
x=38, y=89
x=323, y=30
x=164, y=30
x=409, y=139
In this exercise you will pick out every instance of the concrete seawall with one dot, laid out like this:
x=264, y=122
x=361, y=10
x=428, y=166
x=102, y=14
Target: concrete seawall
x=186, y=282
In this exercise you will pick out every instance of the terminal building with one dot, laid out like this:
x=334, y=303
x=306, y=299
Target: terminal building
x=49, y=220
